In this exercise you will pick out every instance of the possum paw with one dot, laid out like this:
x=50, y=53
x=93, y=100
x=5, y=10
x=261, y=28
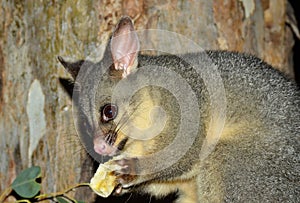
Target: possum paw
x=126, y=171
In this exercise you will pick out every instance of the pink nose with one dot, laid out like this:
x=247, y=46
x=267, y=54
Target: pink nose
x=102, y=148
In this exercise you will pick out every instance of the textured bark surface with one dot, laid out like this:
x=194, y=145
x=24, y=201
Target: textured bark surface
x=33, y=33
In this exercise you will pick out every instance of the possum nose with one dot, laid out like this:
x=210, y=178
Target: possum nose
x=102, y=148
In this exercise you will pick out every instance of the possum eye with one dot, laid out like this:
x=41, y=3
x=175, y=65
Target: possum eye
x=109, y=112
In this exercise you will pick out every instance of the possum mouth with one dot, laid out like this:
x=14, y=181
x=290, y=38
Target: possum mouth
x=107, y=145
x=122, y=144
x=111, y=139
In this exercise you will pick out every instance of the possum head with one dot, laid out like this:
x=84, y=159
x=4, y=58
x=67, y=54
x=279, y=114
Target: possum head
x=108, y=120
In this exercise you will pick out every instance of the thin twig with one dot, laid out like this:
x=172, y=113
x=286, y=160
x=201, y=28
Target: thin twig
x=56, y=194
x=5, y=194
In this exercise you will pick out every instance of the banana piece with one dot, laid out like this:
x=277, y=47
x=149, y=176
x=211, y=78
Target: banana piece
x=104, y=182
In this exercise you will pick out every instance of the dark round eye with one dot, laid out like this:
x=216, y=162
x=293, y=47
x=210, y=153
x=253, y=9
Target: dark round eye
x=109, y=112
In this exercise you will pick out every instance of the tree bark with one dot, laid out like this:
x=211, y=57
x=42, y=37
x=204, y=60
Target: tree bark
x=36, y=123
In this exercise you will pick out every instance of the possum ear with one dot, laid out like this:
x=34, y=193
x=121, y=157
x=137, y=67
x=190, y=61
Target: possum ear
x=72, y=68
x=68, y=85
x=125, y=46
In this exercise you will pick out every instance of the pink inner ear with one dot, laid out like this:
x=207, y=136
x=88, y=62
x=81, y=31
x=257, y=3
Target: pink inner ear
x=124, y=46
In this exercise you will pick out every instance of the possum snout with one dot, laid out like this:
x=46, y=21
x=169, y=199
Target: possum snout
x=103, y=148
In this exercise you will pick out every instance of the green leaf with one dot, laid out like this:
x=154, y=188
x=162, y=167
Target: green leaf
x=25, y=184
x=61, y=200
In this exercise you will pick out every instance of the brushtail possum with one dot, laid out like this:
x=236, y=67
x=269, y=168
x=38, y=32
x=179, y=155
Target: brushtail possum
x=156, y=137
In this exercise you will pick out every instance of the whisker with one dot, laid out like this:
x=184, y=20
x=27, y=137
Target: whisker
x=117, y=124
x=128, y=198
x=127, y=119
x=150, y=198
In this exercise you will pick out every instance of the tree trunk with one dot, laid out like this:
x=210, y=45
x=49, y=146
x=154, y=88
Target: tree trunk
x=36, y=123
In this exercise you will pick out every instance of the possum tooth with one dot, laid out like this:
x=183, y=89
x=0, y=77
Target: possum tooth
x=103, y=182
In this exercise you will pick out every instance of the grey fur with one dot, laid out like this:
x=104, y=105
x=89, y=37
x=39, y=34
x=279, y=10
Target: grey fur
x=258, y=161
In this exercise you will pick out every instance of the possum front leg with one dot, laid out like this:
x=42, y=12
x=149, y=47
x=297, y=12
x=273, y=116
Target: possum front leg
x=129, y=171
x=127, y=175
x=186, y=189
x=187, y=192
x=126, y=171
